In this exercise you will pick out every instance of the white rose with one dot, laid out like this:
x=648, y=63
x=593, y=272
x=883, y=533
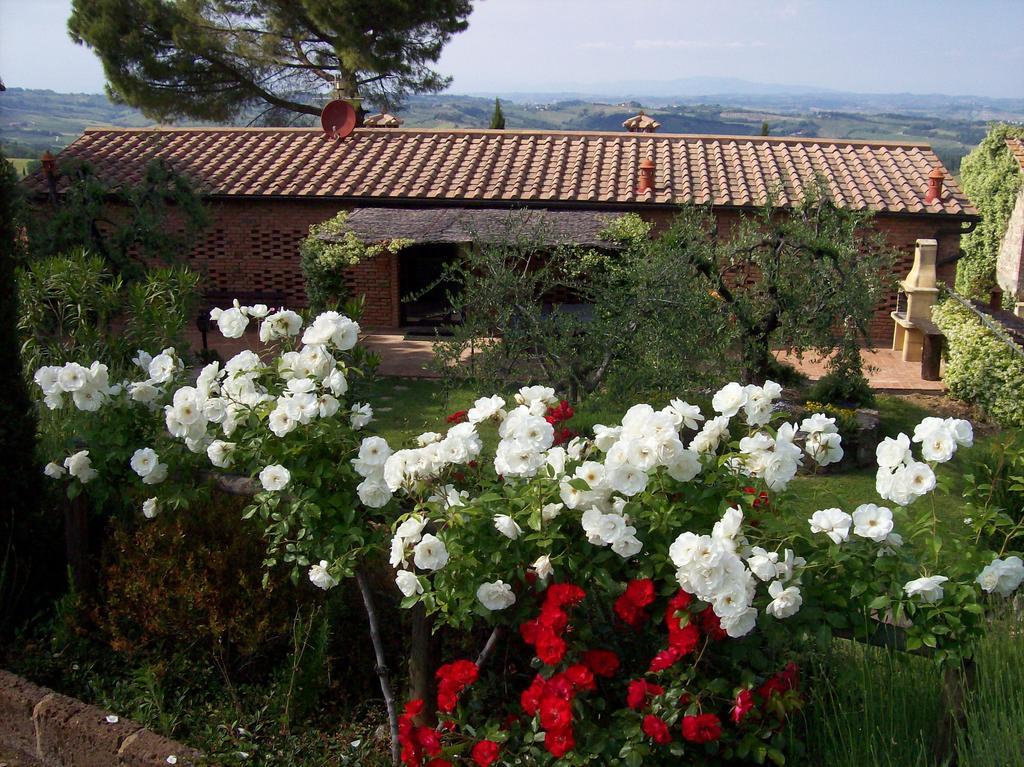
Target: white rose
x=835, y=523
x=1003, y=576
x=551, y=511
x=484, y=408
x=79, y=466
x=231, y=322
x=685, y=466
x=143, y=461
x=929, y=588
x=729, y=399
x=374, y=451
x=373, y=493
x=361, y=415
x=320, y=577
x=961, y=430
x=157, y=475
x=411, y=529
x=890, y=452
x=938, y=445
x=871, y=521
x=763, y=563
x=496, y=596
x=543, y=567
x=785, y=602
x=740, y=625
x=149, y=508
x=430, y=553
x=54, y=470
x=507, y=526
x=221, y=453
x=408, y=583
x=275, y=477
x=72, y=377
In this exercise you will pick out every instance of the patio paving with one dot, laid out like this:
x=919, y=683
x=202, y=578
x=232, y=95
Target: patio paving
x=410, y=358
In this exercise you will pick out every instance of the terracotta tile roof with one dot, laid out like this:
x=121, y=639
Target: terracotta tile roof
x=1017, y=147
x=525, y=167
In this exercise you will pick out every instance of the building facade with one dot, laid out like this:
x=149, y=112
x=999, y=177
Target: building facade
x=266, y=187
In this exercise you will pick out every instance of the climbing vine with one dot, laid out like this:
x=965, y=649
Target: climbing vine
x=324, y=260
x=991, y=178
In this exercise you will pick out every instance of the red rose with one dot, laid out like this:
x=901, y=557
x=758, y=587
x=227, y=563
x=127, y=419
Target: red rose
x=685, y=640
x=744, y=703
x=550, y=648
x=461, y=673
x=562, y=436
x=528, y=631
x=485, y=753
x=640, y=592
x=559, y=686
x=581, y=677
x=603, y=663
x=554, y=618
x=639, y=691
x=712, y=625
x=562, y=594
x=559, y=742
x=680, y=601
x=458, y=416
x=428, y=740
x=529, y=699
x=663, y=660
x=447, y=701
x=555, y=713
x=628, y=612
x=657, y=730
x=702, y=728
x=414, y=707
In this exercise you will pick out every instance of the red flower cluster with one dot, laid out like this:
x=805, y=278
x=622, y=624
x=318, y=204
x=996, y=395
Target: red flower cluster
x=545, y=631
x=418, y=743
x=552, y=699
x=711, y=625
x=760, y=500
x=452, y=679
x=630, y=606
x=702, y=728
x=683, y=633
x=557, y=416
x=458, y=416
x=640, y=691
x=603, y=663
x=785, y=680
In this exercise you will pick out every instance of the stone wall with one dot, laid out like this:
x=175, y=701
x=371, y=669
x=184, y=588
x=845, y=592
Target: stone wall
x=41, y=727
x=1010, y=264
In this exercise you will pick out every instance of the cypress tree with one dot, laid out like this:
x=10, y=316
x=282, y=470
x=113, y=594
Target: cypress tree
x=498, y=118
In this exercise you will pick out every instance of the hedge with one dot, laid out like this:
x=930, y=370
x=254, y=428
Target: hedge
x=980, y=367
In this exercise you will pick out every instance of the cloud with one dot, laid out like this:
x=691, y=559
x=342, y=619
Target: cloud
x=695, y=44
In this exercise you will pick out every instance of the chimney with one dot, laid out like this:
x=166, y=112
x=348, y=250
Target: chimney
x=641, y=123
x=935, y=179
x=646, y=180
x=49, y=163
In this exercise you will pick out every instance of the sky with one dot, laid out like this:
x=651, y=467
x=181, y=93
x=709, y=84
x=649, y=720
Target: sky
x=877, y=46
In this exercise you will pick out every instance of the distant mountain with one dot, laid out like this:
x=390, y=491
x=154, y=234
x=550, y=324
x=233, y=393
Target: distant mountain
x=32, y=121
x=685, y=87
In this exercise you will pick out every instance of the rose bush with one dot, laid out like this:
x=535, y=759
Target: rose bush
x=648, y=576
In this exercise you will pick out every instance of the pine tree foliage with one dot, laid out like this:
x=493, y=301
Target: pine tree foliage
x=218, y=59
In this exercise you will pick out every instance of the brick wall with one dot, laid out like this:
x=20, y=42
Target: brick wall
x=252, y=246
x=41, y=727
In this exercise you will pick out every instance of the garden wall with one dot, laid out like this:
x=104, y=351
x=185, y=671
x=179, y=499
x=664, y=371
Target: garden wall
x=251, y=246
x=41, y=727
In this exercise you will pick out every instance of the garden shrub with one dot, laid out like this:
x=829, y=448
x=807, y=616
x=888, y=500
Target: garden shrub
x=980, y=367
x=192, y=582
x=652, y=575
x=991, y=178
x=323, y=262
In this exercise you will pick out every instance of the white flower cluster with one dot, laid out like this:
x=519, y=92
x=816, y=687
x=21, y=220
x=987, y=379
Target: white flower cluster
x=78, y=465
x=232, y=322
x=89, y=387
x=900, y=477
x=404, y=468
x=868, y=521
x=428, y=553
x=711, y=567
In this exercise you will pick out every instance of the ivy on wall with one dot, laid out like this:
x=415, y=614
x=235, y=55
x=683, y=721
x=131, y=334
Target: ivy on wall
x=980, y=367
x=991, y=178
x=324, y=261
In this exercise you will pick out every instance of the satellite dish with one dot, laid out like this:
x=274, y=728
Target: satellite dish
x=338, y=119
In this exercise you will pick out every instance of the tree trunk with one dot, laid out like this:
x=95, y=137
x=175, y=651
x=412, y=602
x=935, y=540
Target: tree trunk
x=423, y=653
x=77, y=545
